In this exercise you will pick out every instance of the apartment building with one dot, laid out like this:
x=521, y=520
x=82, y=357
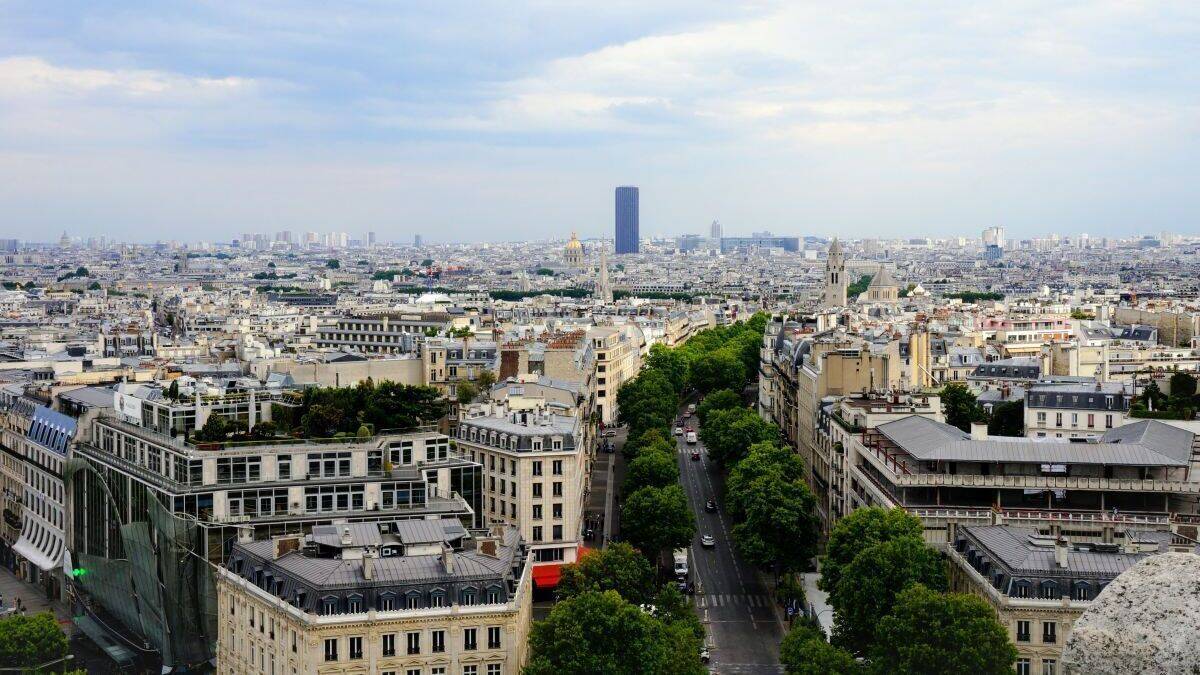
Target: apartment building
x=618, y=358
x=1078, y=409
x=1025, y=335
x=395, y=598
x=449, y=361
x=534, y=455
x=1141, y=474
x=388, y=333
x=1039, y=584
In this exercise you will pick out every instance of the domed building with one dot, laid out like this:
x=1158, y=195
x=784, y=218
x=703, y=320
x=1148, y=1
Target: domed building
x=573, y=254
x=883, y=288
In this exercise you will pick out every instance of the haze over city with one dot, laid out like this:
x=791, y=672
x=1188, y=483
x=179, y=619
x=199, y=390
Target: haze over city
x=511, y=121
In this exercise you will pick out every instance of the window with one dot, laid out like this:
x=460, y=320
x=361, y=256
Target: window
x=1022, y=631
x=331, y=652
x=558, y=467
x=470, y=639
x=285, y=468
x=493, y=595
x=493, y=669
x=1049, y=667
x=537, y=489
x=558, y=532
x=414, y=643
x=389, y=644
x=356, y=648
x=1022, y=666
x=1108, y=421
x=437, y=640
x=558, y=489
x=387, y=602
x=413, y=601
x=537, y=511
x=471, y=670
x=1049, y=632
x=1058, y=419
x=558, y=511
x=1091, y=425
x=493, y=637
x=537, y=468
x=437, y=670
x=537, y=532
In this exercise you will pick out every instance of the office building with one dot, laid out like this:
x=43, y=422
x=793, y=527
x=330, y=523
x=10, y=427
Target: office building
x=627, y=220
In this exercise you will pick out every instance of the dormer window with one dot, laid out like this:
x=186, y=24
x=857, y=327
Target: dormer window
x=354, y=604
x=329, y=605
x=437, y=598
x=468, y=596
x=413, y=600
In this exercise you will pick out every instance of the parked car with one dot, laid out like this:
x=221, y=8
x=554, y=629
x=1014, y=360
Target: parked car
x=678, y=431
x=707, y=541
x=705, y=657
x=695, y=455
x=608, y=433
x=711, y=506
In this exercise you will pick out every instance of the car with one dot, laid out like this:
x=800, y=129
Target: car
x=707, y=541
x=609, y=433
x=705, y=657
x=695, y=455
x=711, y=506
x=678, y=431
x=682, y=587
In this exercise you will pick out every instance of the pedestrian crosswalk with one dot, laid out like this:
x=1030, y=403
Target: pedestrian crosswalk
x=732, y=599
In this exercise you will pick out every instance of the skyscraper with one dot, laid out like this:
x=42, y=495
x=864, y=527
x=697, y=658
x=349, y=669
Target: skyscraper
x=627, y=219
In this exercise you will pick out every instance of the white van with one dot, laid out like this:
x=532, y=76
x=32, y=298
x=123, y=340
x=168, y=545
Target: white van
x=681, y=563
x=691, y=438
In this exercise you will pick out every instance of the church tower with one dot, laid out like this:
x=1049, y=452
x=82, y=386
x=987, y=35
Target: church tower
x=603, y=287
x=835, y=277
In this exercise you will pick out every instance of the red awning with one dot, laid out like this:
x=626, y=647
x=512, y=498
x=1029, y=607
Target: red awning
x=547, y=576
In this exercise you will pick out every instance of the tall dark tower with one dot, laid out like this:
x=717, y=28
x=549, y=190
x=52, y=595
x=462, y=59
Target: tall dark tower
x=627, y=219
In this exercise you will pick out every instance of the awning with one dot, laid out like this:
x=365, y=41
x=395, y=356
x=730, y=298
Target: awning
x=547, y=576
x=39, y=545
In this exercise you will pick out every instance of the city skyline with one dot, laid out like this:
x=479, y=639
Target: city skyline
x=136, y=120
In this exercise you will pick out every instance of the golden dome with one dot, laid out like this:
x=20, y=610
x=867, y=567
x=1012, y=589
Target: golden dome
x=574, y=244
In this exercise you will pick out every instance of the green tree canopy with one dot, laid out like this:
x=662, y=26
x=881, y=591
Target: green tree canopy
x=333, y=263
x=601, y=634
x=321, y=420
x=721, y=369
x=766, y=494
x=728, y=434
x=465, y=393
x=657, y=519
x=617, y=567
x=670, y=363
x=804, y=651
x=941, y=634
x=868, y=587
x=486, y=379
x=652, y=468
x=1183, y=385
x=718, y=400
x=961, y=407
x=859, y=530
x=32, y=640
x=1008, y=419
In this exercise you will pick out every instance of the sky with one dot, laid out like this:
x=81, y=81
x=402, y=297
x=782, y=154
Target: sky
x=515, y=120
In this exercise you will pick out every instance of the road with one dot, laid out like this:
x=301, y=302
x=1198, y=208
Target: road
x=743, y=629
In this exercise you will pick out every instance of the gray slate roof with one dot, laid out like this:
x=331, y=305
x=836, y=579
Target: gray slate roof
x=1144, y=443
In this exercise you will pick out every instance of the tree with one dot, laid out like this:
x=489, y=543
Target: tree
x=718, y=400
x=670, y=363
x=651, y=440
x=333, y=263
x=859, y=530
x=941, y=634
x=486, y=379
x=321, y=421
x=869, y=586
x=804, y=651
x=961, y=407
x=617, y=568
x=652, y=468
x=657, y=519
x=1183, y=386
x=721, y=369
x=217, y=428
x=94, y=286
x=466, y=393
x=1008, y=419
x=761, y=459
x=391, y=405
x=27, y=641
x=772, y=503
x=728, y=434
x=600, y=633
x=1153, y=397
x=173, y=390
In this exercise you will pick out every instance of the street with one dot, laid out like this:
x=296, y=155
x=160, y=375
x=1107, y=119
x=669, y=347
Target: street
x=735, y=607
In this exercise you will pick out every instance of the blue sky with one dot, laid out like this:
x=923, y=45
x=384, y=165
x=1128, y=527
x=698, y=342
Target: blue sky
x=515, y=120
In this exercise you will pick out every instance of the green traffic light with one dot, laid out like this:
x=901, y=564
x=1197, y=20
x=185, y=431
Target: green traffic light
x=78, y=572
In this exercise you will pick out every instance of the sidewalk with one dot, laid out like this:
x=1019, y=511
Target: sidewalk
x=818, y=601
x=33, y=599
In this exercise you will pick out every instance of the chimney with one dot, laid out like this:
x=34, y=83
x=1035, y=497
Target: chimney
x=979, y=431
x=368, y=566
x=487, y=546
x=346, y=538
x=1060, y=552
x=447, y=559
